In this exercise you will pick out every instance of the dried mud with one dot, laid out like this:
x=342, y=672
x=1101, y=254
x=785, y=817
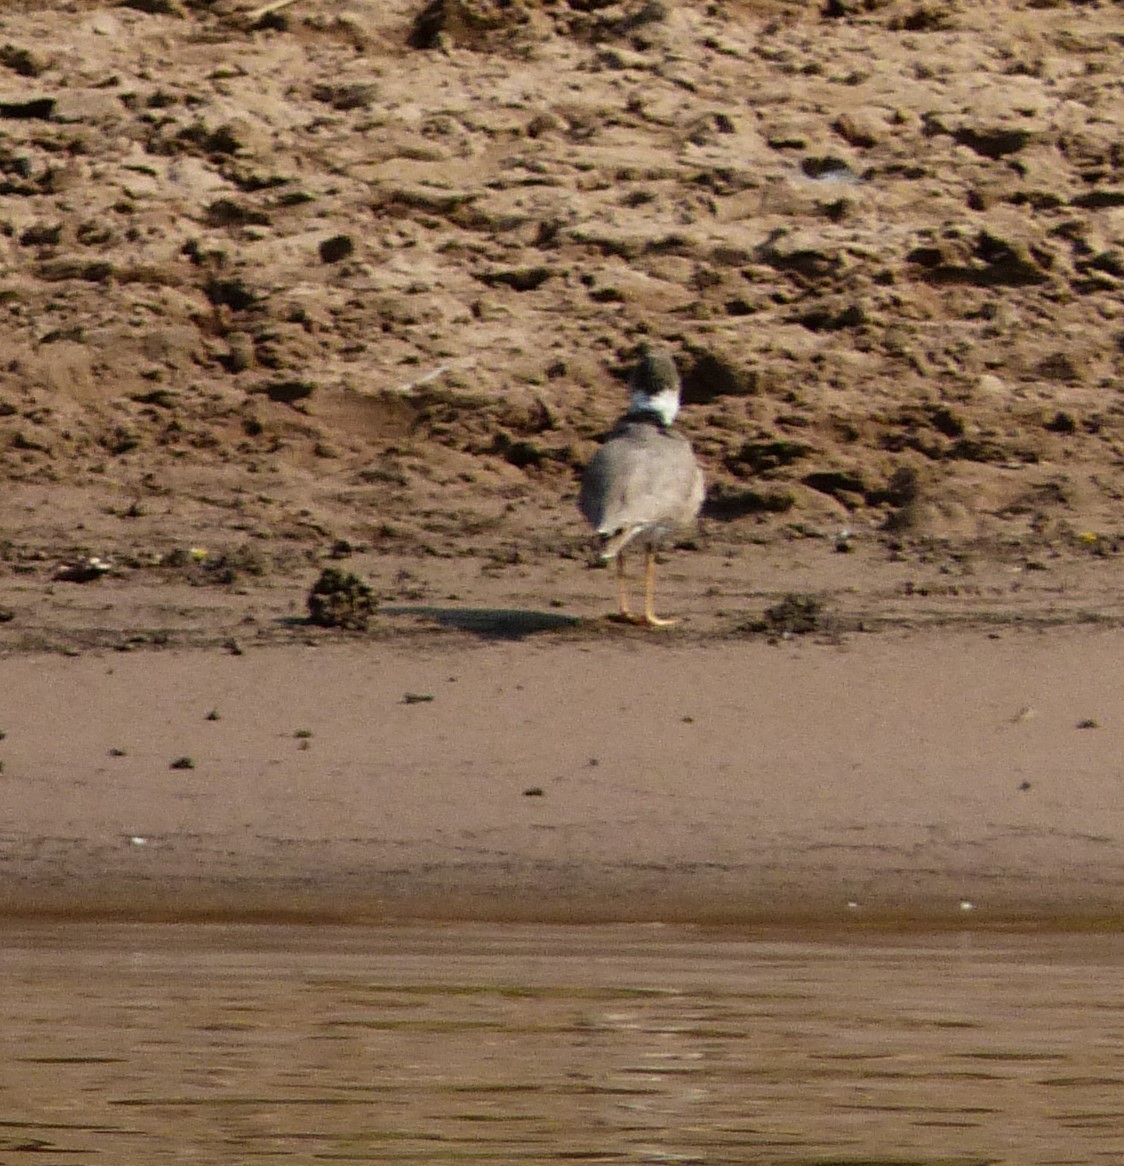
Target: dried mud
x=358, y=283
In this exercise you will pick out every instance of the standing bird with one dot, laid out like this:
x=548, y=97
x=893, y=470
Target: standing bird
x=644, y=483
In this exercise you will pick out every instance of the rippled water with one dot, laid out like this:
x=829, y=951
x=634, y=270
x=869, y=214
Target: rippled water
x=217, y=1044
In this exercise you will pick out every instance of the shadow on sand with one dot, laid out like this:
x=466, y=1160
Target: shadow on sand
x=493, y=623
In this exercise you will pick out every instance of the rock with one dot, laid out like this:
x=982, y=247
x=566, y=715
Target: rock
x=991, y=385
x=336, y=249
x=727, y=503
x=1061, y=367
x=520, y=453
x=828, y=169
x=543, y=123
x=172, y=345
x=239, y=136
x=857, y=129
x=155, y=7
x=800, y=252
x=1100, y=199
x=518, y=279
x=83, y=571
x=434, y=200
x=75, y=267
x=831, y=314
x=993, y=141
x=240, y=352
x=471, y=23
x=24, y=61
x=846, y=486
x=346, y=95
x=620, y=59
x=228, y=212
x=41, y=235
x=764, y=456
x=987, y=260
x=711, y=374
x=287, y=392
x=28, y=109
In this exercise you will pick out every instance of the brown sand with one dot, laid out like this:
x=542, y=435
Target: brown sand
x=357, y=287
x=927, y=776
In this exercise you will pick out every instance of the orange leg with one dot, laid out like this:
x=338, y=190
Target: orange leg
x=650, y=617
x=622, y=590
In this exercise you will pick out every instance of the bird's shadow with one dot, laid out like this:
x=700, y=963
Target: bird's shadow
x=489, y=623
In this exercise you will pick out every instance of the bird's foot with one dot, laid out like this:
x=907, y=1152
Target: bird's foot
x=650, y=619
x=647, y=620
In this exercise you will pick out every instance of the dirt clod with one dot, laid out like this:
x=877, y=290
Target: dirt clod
x=795, y=615
x=339, y=599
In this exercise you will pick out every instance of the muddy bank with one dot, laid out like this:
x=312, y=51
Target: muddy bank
x=370, y=275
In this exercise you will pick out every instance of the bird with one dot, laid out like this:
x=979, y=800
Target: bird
x=644, y=484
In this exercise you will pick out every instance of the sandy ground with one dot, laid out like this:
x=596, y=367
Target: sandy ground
x=959, y=777
x=357, y=285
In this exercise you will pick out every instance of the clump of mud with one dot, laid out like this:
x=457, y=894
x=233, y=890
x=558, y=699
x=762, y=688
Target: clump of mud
x=487, y=23
x=795, y=615
x=339, y=599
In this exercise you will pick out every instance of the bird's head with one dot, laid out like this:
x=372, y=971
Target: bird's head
x=654, y=384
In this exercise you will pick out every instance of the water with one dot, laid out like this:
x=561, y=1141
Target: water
x=229, y=1044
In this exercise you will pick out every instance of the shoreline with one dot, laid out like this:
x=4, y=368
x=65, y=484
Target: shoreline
x=915, y=778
